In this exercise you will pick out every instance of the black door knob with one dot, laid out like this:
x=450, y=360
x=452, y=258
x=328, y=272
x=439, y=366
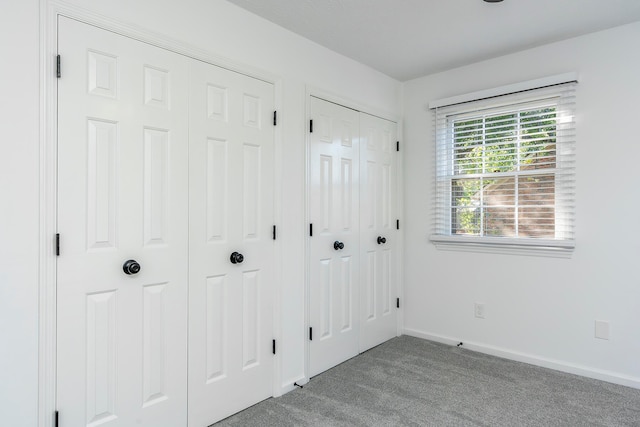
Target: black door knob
x=382, y=240
x=130, y=267
x=236, y=258
x=337, y=245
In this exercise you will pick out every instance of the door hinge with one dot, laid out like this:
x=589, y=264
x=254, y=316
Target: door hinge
x=274, y=232
x=274, y=346
x=310, y=334
x=397, y=224
x=310, y=126
x=310, y=230
x=55, y=419
x=275, y=118
x=397, y=302
x=397, y=145
x=58, y=73
x=57, y=244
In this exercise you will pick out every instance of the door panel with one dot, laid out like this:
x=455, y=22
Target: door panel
x=230, y=210
x=378, y=320
x=334, y=213
x=122, y=194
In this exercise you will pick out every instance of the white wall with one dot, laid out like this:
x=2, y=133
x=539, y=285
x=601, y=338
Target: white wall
x=212, y=25
x=19, y=212
x=540, y=309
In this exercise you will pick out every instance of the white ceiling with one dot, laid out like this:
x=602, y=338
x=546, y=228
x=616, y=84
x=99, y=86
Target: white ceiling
x=411, y=38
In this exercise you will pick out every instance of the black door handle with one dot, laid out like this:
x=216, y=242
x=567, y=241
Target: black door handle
x=382, y=240
x=236, y=258
x=337, y=245
x=131, y=267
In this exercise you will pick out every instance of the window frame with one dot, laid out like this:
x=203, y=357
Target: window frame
x=482, y=104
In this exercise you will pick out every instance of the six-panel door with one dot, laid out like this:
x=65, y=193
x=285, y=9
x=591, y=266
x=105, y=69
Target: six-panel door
x=230, y=212
x=122, y=195
x=378, y=231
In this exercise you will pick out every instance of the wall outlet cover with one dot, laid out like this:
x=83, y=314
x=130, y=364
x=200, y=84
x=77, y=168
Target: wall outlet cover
x=479, y=310
x=602, y=329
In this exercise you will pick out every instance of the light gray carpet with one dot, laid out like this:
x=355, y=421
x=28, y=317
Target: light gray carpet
x=412, y=382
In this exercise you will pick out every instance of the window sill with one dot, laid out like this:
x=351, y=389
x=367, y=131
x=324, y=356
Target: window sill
x=507, y=246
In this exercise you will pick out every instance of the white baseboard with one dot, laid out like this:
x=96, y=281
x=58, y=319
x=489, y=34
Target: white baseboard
x=585, y=371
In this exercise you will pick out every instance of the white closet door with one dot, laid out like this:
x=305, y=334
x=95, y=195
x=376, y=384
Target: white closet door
x=231, y=211
x=378, y=233
x=122, y=194
x=334, y=253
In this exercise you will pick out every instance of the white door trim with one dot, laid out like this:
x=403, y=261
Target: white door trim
x=313, y=91
x=350, y=103
x=48, y=190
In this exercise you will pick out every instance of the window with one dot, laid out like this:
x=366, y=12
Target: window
x=505, y=170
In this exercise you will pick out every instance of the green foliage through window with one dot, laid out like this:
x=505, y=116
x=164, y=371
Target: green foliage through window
x=503, y=181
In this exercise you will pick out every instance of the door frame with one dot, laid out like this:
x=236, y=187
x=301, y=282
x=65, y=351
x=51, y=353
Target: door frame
x=315, y=92
x=50, y=10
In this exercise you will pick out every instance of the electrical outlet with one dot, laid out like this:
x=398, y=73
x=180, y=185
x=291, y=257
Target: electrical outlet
x=479, y=310
x=602, y=330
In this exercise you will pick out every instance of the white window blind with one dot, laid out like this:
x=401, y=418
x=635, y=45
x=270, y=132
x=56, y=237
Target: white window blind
x=505, y=169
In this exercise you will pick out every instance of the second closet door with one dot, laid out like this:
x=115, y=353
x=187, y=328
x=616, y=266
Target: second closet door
x=231, y=253
x=353, y=242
